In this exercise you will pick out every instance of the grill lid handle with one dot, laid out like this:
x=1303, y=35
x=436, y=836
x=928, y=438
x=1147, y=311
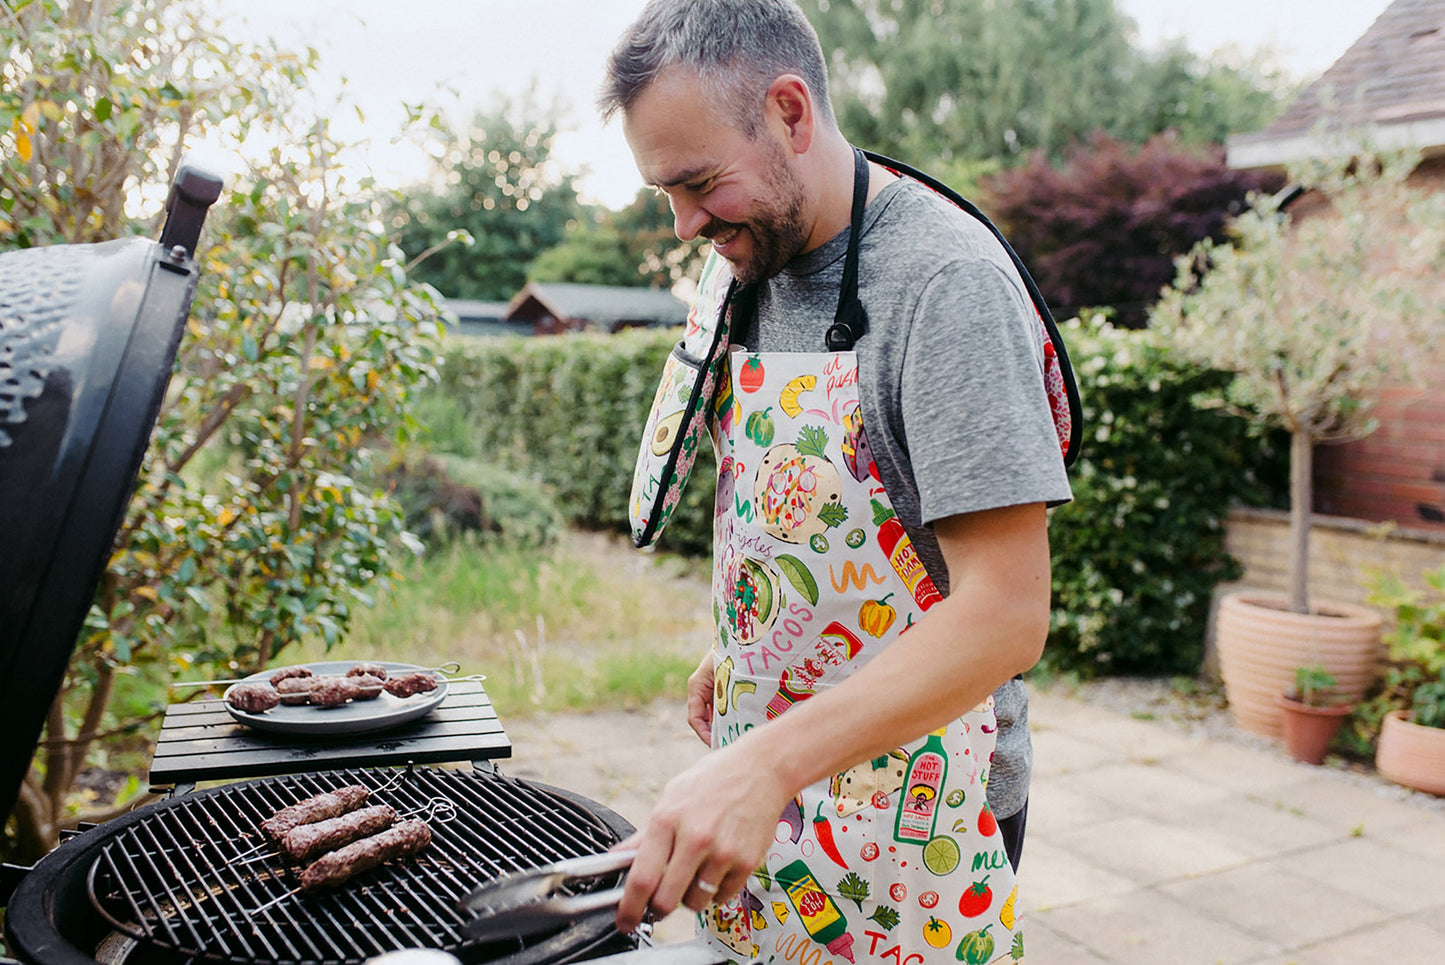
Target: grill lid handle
x=192, y=192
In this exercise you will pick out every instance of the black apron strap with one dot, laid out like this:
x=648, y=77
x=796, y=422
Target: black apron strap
x=850, y=321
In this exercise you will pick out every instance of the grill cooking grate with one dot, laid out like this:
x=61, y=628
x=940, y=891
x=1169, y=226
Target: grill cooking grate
x=179, y=878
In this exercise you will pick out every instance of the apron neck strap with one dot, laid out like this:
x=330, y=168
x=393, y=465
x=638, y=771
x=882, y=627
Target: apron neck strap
x=850, y=321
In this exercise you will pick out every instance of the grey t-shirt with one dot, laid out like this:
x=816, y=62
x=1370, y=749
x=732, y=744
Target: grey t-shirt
x=951, y=386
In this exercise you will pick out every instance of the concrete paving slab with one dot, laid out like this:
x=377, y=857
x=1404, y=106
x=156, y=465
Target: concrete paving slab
x=1272, y=903
x=1147, y=928
x=1148, y=852
x=1255, y=829
x=1058, y=751
x=1063, y=808
x=1407, y=881
x=1052, y=877
x=1235, y=768
x=1399, y=943
x=1043, y=944
x=1146, y=789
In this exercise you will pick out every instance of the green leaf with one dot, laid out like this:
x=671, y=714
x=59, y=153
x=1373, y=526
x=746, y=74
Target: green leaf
x=854, y=888
x=813, y=441
x=885, y=915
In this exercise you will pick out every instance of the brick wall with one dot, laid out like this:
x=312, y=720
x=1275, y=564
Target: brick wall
x=1397, y=473
x=1343, y=555
x=1343, y=552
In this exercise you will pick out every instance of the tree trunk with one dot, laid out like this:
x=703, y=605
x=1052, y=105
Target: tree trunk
x=1301, y=506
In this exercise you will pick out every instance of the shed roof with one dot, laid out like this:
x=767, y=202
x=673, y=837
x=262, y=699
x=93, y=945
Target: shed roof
x=1390, y=83
x=602, y=305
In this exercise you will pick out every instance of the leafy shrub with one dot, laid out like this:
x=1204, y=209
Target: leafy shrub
x=1414, y=677
x=568, y=411
x=1137, y=554
x=1105, y=228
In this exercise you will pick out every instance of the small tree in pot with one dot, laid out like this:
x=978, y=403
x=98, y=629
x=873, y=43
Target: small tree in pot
x=1314, y=316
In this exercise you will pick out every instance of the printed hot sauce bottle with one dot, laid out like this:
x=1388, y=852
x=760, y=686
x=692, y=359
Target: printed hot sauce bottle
x=922, y=783
x=903, y=557
x=818, y=913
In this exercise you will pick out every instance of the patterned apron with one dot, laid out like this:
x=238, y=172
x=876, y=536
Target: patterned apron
x=895, y=859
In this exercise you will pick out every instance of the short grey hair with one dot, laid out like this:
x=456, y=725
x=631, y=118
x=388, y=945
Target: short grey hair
x=737, y=48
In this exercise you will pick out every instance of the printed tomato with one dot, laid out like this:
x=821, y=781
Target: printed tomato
x=751, y=375
x=869, y=851
x=879, y=800
x=976, y=899
x=929, y=899
x=937, y=933
x=897, y=892
x=987, y=823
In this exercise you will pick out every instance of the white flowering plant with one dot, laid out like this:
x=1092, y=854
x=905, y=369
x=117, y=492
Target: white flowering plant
x=1316, y=314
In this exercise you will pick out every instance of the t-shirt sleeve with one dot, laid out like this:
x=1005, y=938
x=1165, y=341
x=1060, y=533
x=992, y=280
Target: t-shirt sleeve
x=975, y=411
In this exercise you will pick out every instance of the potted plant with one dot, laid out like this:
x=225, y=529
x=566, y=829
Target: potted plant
x=1313, y=319
x=1312, y=714
x=1405, y=717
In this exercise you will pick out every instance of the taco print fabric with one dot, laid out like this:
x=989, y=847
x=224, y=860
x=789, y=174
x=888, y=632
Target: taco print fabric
x=895, y=860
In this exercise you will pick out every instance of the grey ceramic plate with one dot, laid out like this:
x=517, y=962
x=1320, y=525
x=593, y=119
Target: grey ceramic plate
x=355, y=717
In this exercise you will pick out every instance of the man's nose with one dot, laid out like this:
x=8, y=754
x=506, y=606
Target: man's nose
x=688, y=219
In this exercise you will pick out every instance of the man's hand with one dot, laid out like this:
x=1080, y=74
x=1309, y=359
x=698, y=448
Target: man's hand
x=699, y=699
x=712, y=825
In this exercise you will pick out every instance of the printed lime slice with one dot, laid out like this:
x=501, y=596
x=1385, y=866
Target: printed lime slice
x=941, y=855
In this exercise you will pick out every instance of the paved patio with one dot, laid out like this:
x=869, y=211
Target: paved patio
x=1145, y=844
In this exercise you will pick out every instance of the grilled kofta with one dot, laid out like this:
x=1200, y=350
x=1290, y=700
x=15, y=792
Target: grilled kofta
x=401, y=840
x=318, y=807
x=307, y=841
x=253, y=698
x=409, y=684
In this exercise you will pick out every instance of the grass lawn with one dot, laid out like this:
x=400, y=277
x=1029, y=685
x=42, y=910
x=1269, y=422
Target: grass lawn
x=590, y=623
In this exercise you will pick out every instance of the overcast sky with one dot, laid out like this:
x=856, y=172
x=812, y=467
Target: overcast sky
x=459, y=53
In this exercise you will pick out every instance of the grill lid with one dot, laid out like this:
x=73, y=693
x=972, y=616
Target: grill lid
x=88, y=335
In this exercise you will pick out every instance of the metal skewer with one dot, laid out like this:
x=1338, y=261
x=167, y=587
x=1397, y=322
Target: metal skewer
x=446, y=669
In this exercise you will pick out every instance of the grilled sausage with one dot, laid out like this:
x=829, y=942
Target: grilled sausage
x=309, y=840
x=333, y=691
x=417, y=682
x=401, y=840
x=289, y=673
x=328, y=804
x=296, y=690
x=367, y=687
x=253, y=698
x=371, y=669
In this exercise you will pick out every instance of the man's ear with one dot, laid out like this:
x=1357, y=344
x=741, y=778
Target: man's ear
x=790, y=108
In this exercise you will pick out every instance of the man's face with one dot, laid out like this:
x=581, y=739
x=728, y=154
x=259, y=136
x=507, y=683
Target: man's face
x=742, y=195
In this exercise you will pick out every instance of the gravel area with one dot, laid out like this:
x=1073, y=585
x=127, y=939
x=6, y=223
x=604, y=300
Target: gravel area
x=1200, y=710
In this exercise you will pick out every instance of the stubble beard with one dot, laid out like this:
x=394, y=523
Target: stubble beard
x=778, y=231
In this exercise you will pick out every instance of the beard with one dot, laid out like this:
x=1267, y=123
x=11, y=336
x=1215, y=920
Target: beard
x=777, y=228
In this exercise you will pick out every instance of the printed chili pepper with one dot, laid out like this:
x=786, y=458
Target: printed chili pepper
x=824, y=832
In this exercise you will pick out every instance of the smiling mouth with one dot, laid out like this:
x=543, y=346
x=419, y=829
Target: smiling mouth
x=724, y=237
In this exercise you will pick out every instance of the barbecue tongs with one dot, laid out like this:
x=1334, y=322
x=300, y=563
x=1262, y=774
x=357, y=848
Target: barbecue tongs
x=524, y=903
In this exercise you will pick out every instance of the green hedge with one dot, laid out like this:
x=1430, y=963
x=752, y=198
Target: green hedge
x=1136, y=554
x=568, y=411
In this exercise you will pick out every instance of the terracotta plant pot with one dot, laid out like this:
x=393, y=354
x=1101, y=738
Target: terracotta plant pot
x=1308, y=730
x=1261, y=642
x=1411, y=754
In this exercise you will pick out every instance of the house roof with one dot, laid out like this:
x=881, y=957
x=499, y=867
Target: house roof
x=602, y=305
x=1389, y=87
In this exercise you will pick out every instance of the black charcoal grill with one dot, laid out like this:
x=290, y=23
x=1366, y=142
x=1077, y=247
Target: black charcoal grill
x=182, y=880
x=88, y=337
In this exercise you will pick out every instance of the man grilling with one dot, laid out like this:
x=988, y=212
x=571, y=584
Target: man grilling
x=881, y=562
